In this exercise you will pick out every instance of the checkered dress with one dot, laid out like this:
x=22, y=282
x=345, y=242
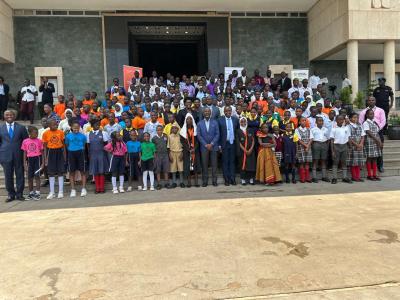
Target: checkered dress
x=278, y=155
x=304, y=156
x=355, y=157
x=371, y=149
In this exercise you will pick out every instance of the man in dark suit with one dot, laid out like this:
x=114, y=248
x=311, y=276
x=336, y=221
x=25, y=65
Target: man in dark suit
x=285, y=82
x=180, y=117
x=47, y=89
x=4, y=91
x=214, y=110
x=208, y=136
x=11, y=156
x=227, y=129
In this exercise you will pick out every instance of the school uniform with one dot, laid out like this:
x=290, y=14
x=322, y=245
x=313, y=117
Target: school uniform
x=305, y=136
x=98, y=159
x=175, y=151
x=162, y=164
x=371, y=149
x=54, y=139
x=134, y=150
x=320, y=143
x=191, y=160
x=356, y=157
x=340, y=137
x=289, y=148
x=75, y=143
x=148, y=150
x=278, y=148
x=117, y=161
x=33, y=149
x=247, y=162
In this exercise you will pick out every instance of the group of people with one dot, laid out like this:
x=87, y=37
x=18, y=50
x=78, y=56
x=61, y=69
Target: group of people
x=167, y=132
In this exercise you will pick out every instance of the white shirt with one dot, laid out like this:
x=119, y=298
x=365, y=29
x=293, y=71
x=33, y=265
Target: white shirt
x=41, y=131
x=207, y=122
x=2, y=89
x=320, y=134
x=298, y=129
x=314, y=81
x=10, y=125
x=340, y=135
x=293, y=89
x=303, y=89
x=106, y=138
x=292, y=112
x=367, y=124
x=151, y=128
x=346, y=82
x=28, y=97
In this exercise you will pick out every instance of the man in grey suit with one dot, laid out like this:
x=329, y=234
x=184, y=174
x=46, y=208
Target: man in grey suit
x=11, y=156
x=215, y=113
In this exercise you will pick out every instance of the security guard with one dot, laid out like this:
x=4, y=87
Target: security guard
x=382, y=93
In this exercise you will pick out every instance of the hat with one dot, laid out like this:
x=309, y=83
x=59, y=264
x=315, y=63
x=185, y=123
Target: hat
x=175, y=124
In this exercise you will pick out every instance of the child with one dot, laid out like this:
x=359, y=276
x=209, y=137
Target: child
x=191, y=150
x=76, y=144
x=133, y=159
x=54, y=157
x=279, y=144
x=117, y=162
x=247, y=156
x=304, y=152
x=339, y=139
x=126, y=132
x=373, y=145
x=267, y=165
x=161, y=159
x=98, y=159
x=356, y=157
x=320, y=146
x=175, y=155
x=60, y=107
x=33, y=158
x=289, y=140
x=147, y=160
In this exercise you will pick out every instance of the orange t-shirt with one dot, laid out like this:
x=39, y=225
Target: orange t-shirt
x=138, y=123
x=295, y=122
x=104, y=122
x=59, y=109
x=88, y=102
x=53, y=139
x=281, y=111
x=326, y=110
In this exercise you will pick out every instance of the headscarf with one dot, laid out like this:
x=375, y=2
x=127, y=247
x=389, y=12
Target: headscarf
x=118, y=113
x=183, y=131
x=243, y=128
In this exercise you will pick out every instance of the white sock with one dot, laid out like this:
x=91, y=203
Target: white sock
x=151, y=174
x=145, y=178
x=52, y=181
x=60, y=184
x=114, y=182
x=121, y=181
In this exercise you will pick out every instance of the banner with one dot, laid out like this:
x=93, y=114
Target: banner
x=299, y=74
x=228, y=71
x=129, y=73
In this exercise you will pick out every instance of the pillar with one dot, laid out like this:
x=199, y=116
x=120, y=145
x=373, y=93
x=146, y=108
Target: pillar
x=352, y=65
x=389, y=63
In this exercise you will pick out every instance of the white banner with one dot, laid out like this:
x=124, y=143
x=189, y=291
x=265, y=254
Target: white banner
x=228, y=71
x=299, y=74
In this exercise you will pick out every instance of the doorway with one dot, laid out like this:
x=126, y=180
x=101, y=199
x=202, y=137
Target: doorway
x=169, y=48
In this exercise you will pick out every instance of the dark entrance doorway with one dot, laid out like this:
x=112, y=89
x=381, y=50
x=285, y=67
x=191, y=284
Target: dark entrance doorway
x=169, y=48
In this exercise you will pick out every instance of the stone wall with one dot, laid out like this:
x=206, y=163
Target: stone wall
x=6, y=33
x=75, y=44
x=259, y=42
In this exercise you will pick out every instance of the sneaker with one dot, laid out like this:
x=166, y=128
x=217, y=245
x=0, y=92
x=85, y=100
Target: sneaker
x=36, y=196
x=325, y=179
x=152, y=188
x=252, y=181
x=347, y=180
x=73, y=194
x=334, y=181
x=60, y=195
x=50, y=196
x=121, y=189
x=139, y=188
x=158, y=187
x=83, y=193
x=129, y=189
x=115, y=191
x=144, y=188
x=31, y=196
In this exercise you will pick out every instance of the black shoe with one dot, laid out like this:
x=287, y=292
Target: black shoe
x=315, y=180
x=226, y=183
x=204, y=185
x=215, y=184
x=371, y=178
x=9, y=199
x=174, y=185
x=377, y=178
x=325, y=179
x=287, y=180
x=167, y=186
x=381, y=170
x=334, y=181
x=182, y=185
x=158, y=187
x=188, y=185
x=294, y=181
x=233, y=182
x=347, y=180
x=360, y=180
x=20, y=198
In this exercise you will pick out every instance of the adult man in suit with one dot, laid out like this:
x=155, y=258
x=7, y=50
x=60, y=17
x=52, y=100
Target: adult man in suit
x=47, y=89
x=11, y=156
x=285, y=82
x=227, y=129
x=208, y=136
x=4, y=91
x=214, y=110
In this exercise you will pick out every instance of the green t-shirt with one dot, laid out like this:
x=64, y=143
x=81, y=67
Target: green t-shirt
x=148, y=150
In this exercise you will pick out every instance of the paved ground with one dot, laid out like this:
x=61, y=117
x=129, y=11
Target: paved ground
x=250, y=243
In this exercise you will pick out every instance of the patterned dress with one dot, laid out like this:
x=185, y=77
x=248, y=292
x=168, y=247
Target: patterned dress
x=304, y=156
x=355, y=157
x=371, y=149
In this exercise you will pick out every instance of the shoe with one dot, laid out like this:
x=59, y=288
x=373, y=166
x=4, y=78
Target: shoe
x=174, y=185
x=315, y=180
x=144, y=188
x=139, y=188
x=226, y=183
x=381, y=170
x=360, y=180
x=115, y=191
x=287, y=180
x=36, y=196
x=31, y=196
x=233, y=182
x=334, y=181
x=159, y=187
x=189, y=185
x=294, y=181
x=377, y=178
x=9, y=199
x=152, y=188
x=50, y=196
x=347, y=180
x=20, y=198
x=325, y=179
x=243, y=182
x=309, y=180
x=204, y=185
x=252, y=181
x=60, y=195
x=167, y=186
x=197, y=185
x=182, y=185
x=129, y=189
x=371, y=178
x=83, y=193
x=215, y=184
x=73, y=194
x=121, y=189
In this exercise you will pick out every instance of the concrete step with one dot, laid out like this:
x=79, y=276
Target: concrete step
x=391, y=154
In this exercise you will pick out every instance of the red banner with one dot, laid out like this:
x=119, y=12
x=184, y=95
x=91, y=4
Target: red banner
x=129, y=73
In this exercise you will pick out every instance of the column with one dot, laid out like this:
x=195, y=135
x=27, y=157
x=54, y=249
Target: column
x=389, y=64
x=352, y=65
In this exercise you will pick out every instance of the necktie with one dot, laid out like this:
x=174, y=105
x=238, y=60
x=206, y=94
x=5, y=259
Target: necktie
x=230, y=129
x=10, y=131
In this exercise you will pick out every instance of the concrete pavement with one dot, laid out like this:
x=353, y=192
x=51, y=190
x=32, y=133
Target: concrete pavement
x=331, y=246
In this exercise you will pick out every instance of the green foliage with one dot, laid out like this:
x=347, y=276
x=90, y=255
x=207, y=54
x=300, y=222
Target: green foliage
x=345, y=95
x=370, y=88
x=359, y=100
x=394, y=120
